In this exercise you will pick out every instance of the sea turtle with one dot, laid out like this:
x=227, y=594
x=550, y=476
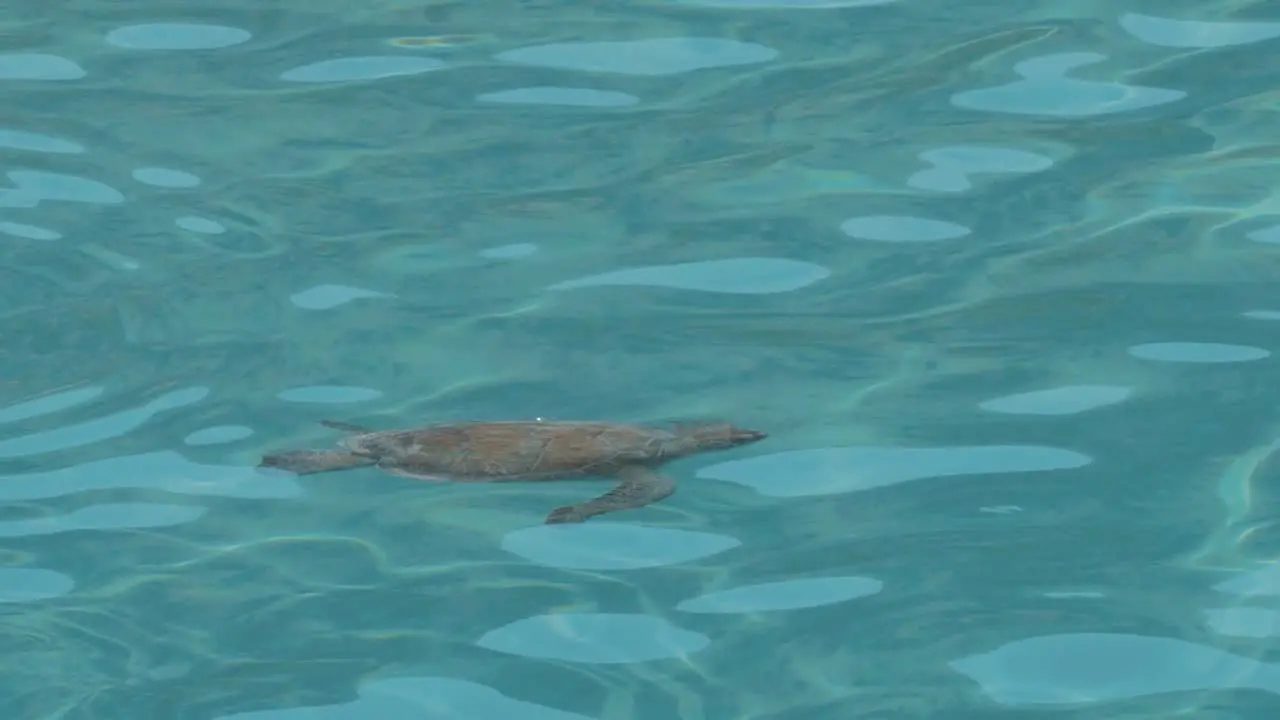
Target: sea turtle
x=526, y=451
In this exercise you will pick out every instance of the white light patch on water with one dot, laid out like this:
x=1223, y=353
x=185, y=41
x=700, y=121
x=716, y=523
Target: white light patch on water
x=32, y=584
x=335, y=394
x=954, y=164
x=986, y=159
x=1197, y=352
x=825, y=471
x=109, y=516
x=566, y=96
x=1086, y=668
x=745, y=276
x=35, y=142
x=786, y=595
x=418, y=698
x=1045, y=90
x=326, y=297
x=658, y=56
x=1252, y=622
x=1269, y=235
x=595, y=638
x=165, y=177
x=49, y=404
x=1167, y=32
x=38, y=66
x=613, y=546
x=1264, y=581
x=1262, y=314
x=34, y=186
x=513, y=251
x=218, y=435
x=204, y=226
x=176, y=36
x=371, y=67
x=165, y=470
x=901, y=228
x=1067, y=400
x=104, y=428
x=941, y=179
x=29, y=232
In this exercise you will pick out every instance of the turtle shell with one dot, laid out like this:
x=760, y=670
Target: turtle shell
x=510, y=451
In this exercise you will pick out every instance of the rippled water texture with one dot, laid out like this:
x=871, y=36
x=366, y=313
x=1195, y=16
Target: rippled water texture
x=1000, y=280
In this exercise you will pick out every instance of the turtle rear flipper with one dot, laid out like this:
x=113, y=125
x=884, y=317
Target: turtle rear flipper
x=308, y=462
x=640, y=486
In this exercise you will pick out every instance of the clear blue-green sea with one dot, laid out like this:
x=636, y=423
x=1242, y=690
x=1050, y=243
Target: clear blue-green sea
x=1001, y=281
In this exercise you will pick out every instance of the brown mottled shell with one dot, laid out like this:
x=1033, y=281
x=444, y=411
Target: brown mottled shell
x=518, y=451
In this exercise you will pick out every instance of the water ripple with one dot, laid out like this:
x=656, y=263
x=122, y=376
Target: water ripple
x=372, y=67
x=571, y=97
x=824, y=471
x=595, y=638
x=164, y=470
x=747, y=276
x=1046, y=90
x=658, y=56
x=52, y=403
x=176, y=36
x=418, y=698
x=1196, y=33
x=613, y=546
x=785, y=595
x=32, y=584
x=104, y=428
x=1086, y=668
x=1066, y=400
x=39, y=66
x=108, y=516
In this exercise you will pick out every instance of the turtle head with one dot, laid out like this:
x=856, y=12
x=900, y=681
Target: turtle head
x=717, y=436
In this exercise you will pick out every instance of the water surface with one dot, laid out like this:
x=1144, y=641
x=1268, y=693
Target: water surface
x=998, y=279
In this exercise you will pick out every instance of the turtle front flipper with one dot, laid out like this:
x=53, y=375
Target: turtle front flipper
x=307, y=462
x=640, y=486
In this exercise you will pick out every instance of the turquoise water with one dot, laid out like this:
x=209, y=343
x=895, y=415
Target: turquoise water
x=998, y=279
